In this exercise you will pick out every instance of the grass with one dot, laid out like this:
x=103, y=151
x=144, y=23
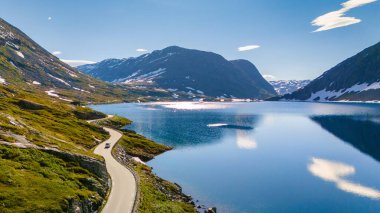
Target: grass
x=138, y=146
x=115, y=122
x=49, y=124
x=86, y=113
x=156, y=193
x=34, y=181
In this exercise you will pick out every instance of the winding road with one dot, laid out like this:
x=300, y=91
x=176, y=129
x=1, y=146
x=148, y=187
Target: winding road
x=123, y=191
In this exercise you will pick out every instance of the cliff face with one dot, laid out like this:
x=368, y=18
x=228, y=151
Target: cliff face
x=95, y=166
x=47, y=180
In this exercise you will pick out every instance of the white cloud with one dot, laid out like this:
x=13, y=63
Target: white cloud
x=356, y=3
x=337, y=18
x=248, y=47
x=50, y=18
x=269, y=77
x=57, y=53
x=75, y=63
x=244, y=141
x=141, y=50
x=337, y=172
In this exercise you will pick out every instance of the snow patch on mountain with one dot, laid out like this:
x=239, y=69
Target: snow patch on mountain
x=82, y=90
x=52, y=93
x=20, y=54
x=158, y=59
x=6, y=34
x=59, y=79
x=325, y=95
x=11, y=44
x=2, y=80
x=13, y=64
x=148, y=77
x=73, y=75
x=200, y=92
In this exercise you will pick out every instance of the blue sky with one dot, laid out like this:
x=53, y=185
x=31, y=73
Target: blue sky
x=94, y=30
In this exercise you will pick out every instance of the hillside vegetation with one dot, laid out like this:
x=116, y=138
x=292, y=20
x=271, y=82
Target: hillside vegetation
x=46, y=158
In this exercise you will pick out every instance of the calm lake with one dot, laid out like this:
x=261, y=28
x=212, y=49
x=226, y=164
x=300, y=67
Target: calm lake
x=266, y=156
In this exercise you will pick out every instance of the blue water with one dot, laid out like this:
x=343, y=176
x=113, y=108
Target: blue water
x=295, y=157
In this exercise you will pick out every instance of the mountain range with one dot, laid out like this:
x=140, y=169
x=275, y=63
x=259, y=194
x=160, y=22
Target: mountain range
x=176, y=72
x=283, y=87
x=355, y=79
x=180, y=70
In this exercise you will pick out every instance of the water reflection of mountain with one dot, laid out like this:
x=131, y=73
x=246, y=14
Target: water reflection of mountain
x=187, y=128
x=362, y=132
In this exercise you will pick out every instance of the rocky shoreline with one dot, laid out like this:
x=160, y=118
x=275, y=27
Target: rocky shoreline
x=130, y=162
x=160, y=184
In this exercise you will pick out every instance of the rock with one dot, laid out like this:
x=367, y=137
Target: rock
x=211, y=210
x=95, y=166
x=30, y=105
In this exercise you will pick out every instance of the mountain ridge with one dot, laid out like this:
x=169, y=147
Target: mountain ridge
x=187, y=70
x=26, y=65
x=283, y=87
x=354, y=79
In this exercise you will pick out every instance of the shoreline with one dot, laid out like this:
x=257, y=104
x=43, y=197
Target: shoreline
x=127, y=160
x=130, y=162
x=230, y=102
x=132, y=150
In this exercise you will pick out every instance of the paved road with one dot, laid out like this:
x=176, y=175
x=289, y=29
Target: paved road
x=123, y=191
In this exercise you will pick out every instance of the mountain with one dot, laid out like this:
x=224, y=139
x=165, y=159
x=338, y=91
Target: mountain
x=283, y=87
x=355, y=79
x=47, y=161
x=363, y=133
x=26, y=65
x=185, y=70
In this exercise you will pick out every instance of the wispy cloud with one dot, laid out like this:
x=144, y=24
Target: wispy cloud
x=337, y=18
x=50, y=18
x=248, y=47
x=57, y=53
x=75, y=63
x=141, y=50
x=269, y=77
x=337, y=172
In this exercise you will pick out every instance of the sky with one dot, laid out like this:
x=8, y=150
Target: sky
x=285, y=39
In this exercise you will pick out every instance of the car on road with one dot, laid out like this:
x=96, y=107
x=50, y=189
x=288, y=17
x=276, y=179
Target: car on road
x=108, y=145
